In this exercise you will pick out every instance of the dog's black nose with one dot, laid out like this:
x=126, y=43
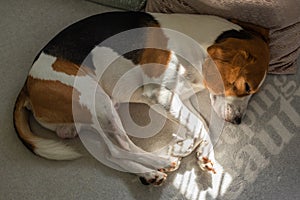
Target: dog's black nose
x=237, y=120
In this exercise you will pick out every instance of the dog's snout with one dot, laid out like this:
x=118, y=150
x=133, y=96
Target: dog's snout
x=237, y=120
x=232, y=114
x=231, y=109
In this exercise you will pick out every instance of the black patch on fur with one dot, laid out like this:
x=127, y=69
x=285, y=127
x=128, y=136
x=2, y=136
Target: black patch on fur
x=76, y=41
x=242, y=34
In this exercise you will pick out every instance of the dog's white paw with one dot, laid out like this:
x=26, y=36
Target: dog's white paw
x=204, y=162
x=155, y=178
x=183, y=148
x=173, y=166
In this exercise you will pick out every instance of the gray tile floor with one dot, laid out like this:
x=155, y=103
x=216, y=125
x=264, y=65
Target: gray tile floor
x=258, y=159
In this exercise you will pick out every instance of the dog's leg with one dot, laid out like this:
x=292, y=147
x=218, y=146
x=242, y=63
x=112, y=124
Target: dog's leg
x=172, y=108
x=186, y=115
x=121, y=150
x=205, y=153
x=197, y=131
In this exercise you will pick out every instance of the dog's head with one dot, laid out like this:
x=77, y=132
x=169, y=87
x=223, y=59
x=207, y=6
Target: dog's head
x=234, y=70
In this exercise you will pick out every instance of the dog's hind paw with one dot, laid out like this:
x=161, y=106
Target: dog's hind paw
x=206, y=164
x=155, y=178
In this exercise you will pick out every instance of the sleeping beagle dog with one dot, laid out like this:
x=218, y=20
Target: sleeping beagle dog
x=74, y=83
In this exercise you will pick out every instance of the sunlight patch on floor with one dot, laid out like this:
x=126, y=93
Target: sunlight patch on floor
x=189, y=182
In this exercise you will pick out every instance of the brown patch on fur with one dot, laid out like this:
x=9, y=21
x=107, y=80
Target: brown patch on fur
x=155, y=61
x=21, y=120
x=51, y=102
x=241, y=65
x=67, y=67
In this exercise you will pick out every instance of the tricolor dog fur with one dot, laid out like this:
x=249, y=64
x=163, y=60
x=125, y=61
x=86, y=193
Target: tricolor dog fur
x=241, y=57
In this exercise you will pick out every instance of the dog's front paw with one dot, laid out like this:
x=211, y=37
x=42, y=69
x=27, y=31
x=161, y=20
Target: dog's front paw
x=173, y=166
x=155, y=177
x=206, y=164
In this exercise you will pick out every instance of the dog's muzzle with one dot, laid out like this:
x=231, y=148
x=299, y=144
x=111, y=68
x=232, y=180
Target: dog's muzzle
x=231, y=109
x=232, y=114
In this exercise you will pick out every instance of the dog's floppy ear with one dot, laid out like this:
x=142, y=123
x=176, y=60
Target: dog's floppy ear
x=217, y=52
x=212, y=78
x=234, y=57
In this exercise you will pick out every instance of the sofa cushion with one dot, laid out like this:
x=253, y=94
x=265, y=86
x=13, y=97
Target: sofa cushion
x=134, y=5
x=281, y=17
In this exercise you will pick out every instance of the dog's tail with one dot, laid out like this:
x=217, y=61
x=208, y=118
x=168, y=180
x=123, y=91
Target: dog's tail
x=46, y=148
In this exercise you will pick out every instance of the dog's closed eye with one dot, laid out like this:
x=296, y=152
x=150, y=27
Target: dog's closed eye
x=247, y=88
